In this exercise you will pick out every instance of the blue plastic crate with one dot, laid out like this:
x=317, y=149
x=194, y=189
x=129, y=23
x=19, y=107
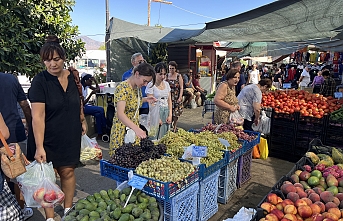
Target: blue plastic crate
x=207, y=199
x=249, y=145
x=114, y=172
x=183, y=206
x=207, y=171
x=167, y=190
x=227, y=182
x=244, y=168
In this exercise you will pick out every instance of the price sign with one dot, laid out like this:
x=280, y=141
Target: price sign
x=224, y=142
x=287, y=85
x=137, y=182
x=338, y=95
x=199, y=151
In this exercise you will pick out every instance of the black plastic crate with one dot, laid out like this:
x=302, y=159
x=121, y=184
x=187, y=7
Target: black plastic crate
x=258, y=215
x=285, y=117
x=334, y=135
x=283, y=155
x=299, y=165
x=279, y=144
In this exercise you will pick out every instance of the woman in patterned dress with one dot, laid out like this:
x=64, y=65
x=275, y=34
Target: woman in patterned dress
x=176, y=90
x=126, y=102
x=225, y=99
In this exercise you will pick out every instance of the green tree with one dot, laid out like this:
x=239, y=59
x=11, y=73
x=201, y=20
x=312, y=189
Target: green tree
x=102, y=47
x=24, y=25
x=159, y=53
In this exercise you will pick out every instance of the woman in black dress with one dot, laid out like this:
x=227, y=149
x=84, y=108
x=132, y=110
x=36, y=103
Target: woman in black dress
x=56, y=127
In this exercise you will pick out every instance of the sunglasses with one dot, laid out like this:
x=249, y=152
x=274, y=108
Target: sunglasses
x=172, y=68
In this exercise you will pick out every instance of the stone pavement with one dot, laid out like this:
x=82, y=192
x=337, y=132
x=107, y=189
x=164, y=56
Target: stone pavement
x=265, y=173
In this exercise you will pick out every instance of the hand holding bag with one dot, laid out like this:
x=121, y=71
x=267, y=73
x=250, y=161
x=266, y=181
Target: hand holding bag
x=12, y=165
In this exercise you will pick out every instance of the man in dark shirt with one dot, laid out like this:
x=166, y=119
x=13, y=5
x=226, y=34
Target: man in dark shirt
x=329, y=86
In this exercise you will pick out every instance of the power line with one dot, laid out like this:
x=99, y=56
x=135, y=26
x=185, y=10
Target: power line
x=193, y=12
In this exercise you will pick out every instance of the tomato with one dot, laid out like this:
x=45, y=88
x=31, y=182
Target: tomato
x=297, y=109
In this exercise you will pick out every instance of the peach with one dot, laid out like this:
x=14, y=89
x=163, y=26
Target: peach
x=285, y=219
x=300, y=202
x=287, y=182
x=266, y=206
x=278, y=213
x=309, y=191
x=336, y=201
x=286, y=202
x=328, y=219
x=331, y=216
x=302, y=194
x=335, y=211
x=317, y=217
x=272, y=198
x=272, y=217
x=305, y=211
x=314, y=197
x=293, y=196
x=315, y=208
x=326, y=196
x=298, y=185
x=290, y=209
x=291, y=217
x=287, y=188
x=307, y=200
x=279, y=206
x=299, y=217
x=279, y=199
x=321, y=205
x=330, y=205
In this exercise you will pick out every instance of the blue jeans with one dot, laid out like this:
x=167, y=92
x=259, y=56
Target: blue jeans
x=99, y=115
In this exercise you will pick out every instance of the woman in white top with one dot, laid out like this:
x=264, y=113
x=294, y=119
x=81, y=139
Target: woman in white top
x=254, y=75
x=305, y=78
x=161, y=91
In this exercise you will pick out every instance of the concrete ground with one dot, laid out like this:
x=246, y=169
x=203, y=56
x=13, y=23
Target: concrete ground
x=265, y=173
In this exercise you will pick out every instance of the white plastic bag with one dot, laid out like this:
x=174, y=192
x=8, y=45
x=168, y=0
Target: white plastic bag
x=130, y=136
x=143, y=120
x=29, y=181
x=91, y=154
x=236, y=118
x=154, y=120
x=264, y=124
x=193, y=103
x=48, y=194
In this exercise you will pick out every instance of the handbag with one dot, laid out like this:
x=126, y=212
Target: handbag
x=130, y=135
x=12, y=165
x=79, y=88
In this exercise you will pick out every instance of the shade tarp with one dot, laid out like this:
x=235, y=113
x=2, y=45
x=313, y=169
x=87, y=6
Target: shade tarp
x=281, y=21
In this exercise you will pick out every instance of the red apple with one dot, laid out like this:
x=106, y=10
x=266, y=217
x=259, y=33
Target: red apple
x=277, y=213
x=38, y=195
x=50, y=196
x=60, y=197
x=272, y=198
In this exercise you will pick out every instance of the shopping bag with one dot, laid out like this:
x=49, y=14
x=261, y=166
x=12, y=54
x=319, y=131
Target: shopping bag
x=29, y=181
x=264, y=125
x=48, y=194
x=256, y=153
x=91, y=154
x=130, y=136
x=263, y=148
x=236, y=118
x=154, y=120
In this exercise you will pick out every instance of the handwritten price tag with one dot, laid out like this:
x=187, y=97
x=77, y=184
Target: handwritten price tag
x=137, y=182
x=199, y=151
x=338, y=95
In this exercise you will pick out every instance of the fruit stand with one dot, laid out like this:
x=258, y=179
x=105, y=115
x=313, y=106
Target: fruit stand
x=185, y=191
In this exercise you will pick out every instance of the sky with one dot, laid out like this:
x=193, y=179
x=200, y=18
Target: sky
x=90, y=15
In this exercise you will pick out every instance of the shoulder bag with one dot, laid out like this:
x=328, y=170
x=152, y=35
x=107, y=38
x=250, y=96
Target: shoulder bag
x=12, y=165
x=130, y=135
x=79, y=88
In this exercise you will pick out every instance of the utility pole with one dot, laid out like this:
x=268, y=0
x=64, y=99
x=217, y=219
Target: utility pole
x=149, y=5
x=108, y=43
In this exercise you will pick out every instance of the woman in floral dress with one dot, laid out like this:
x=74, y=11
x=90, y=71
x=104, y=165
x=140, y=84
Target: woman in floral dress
x=176, y=88
x=126, y=97
x=225, y=99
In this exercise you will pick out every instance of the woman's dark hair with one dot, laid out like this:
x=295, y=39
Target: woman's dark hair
x=266, y=82
x=52, y=44
x=173, y=63
x=326, y=73
x=231, y=73
x=160, y=66
x=145, y=69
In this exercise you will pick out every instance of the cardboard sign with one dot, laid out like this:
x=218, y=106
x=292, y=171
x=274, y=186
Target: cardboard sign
x=199, y=151
x=137, y=182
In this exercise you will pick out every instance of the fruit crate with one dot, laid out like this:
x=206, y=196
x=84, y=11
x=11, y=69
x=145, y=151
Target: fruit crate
x=299, y=165
x=333, y=134
x=258, y=215
x=227, y=182
x=236, y=154
x=167, y=190
x=113, y=171
x=208, y=171
x=244, y=168
x=207, y=198
x=183, y=206
x=249, y=145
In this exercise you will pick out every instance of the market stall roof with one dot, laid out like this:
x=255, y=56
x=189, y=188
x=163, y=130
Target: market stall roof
x=281, y=21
